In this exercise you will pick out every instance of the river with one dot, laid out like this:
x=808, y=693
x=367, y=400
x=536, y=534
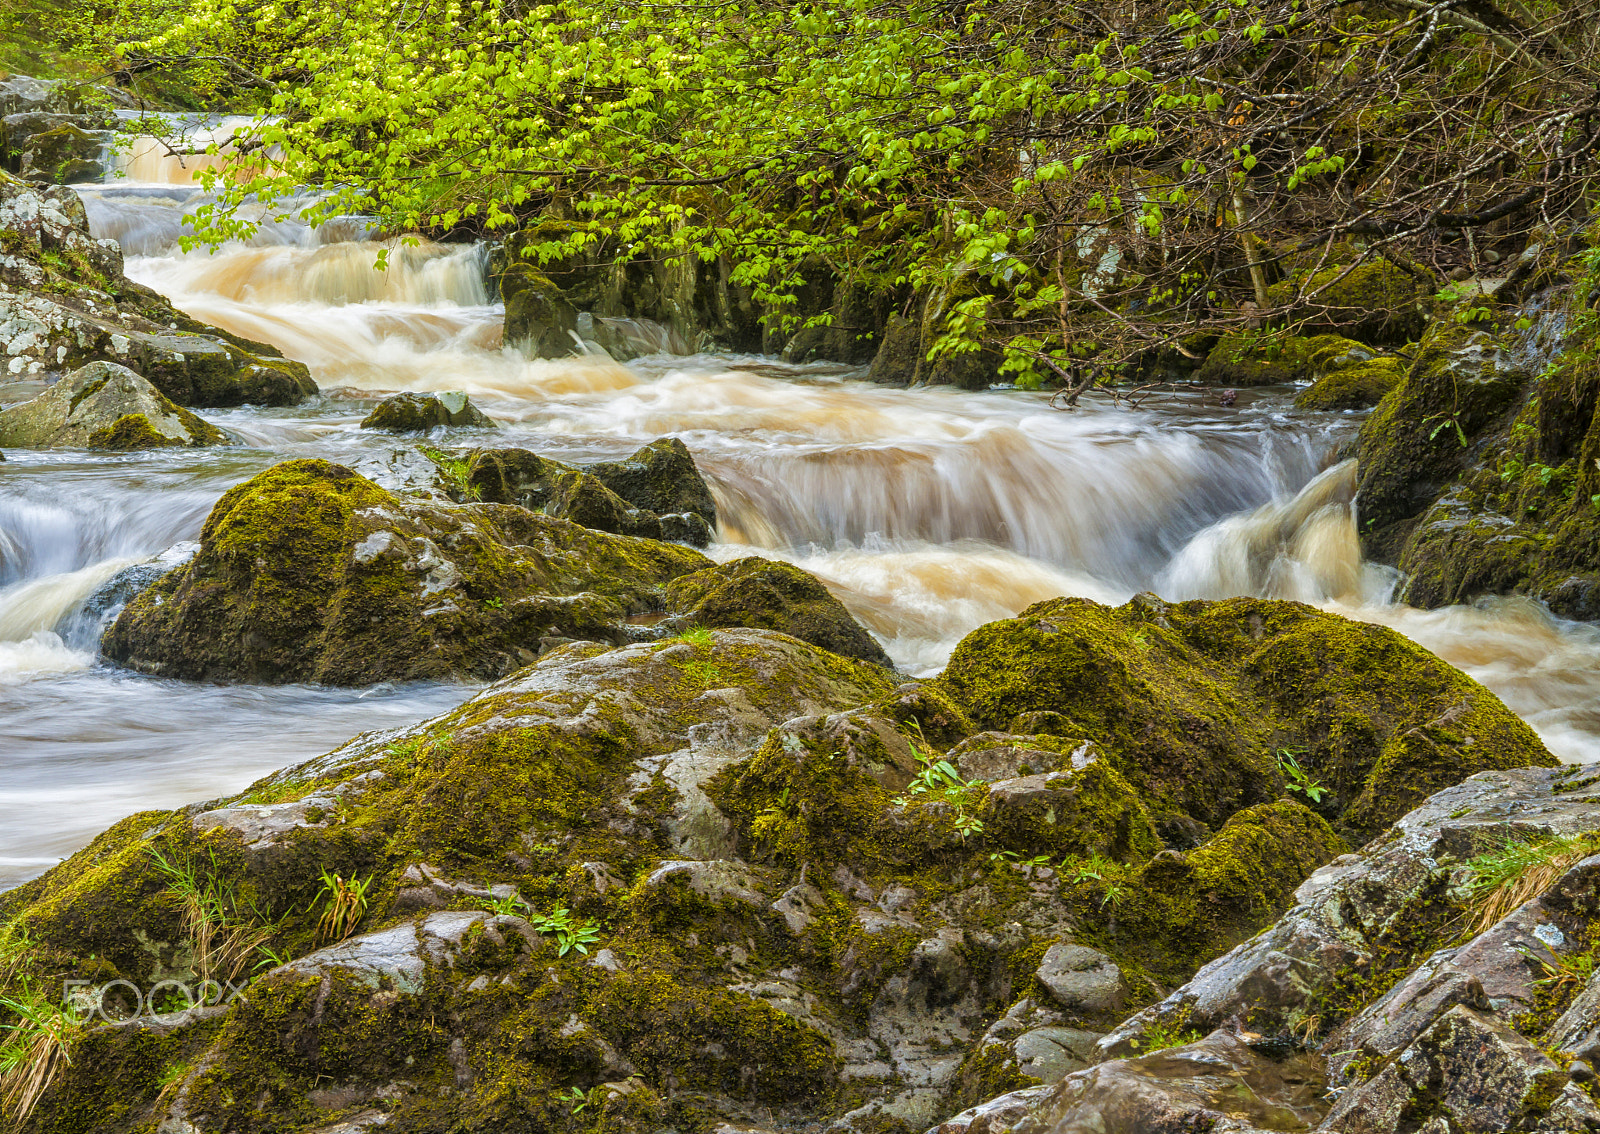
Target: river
x=927, y=511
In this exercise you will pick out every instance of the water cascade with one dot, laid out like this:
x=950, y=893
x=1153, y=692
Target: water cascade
x=928, y=511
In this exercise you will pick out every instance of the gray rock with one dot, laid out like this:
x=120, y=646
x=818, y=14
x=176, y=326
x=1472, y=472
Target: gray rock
x=418, y=413
x=1219, y=1085
x=995, y=756
x=1049, y=1053
x=1343, y=909
x=1081, y=979
x=103, y=406
x=717, y=881
x=1469, y=1069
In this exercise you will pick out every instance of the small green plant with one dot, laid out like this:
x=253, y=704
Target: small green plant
x=570, y=932
x=271, y=959
x=1297, y=778
x=697, y=636
x=967, y=824
x=506, y=907
x=577, y=1098
x=346, y=905
x=1446, y=421
x=1161, y=1036
x=496, y=603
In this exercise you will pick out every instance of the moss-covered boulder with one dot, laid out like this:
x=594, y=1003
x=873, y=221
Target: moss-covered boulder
x=309, y=572
x=64, y=301
x=1358, y=385
x=1461, y=386
x=1370, y=299
x=418, y=413
x=768, y=595
x=657, y=493
x=103, y=406
x=1510, y=503
x=1202, y=705
x=1267, y=358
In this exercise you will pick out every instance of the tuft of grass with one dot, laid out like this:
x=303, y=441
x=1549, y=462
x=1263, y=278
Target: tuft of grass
x=697, y=636
x=34, y=1049
x=1519, y=871
x=346, y=905
x=224, y=935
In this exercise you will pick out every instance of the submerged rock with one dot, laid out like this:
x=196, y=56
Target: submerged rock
x=310, y=572
x=64, y=301
x=103, y=406
x=418, y=413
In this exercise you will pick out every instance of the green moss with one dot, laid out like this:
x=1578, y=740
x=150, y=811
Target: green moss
x=1192, y=701
x=1268, y=358
x=311, y=572
x=1375, y=301
x=766, y=595
x=128, y=432
x=1354, y=387
x=1182, y=910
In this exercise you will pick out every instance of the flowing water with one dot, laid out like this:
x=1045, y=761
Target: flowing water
x=928, y=511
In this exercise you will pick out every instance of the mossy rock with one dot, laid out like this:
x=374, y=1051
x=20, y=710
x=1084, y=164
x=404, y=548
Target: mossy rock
x=1270, y=358
x=418, y=413
x=768, y=595
x=657, y=493
x=1374, y=301
x=1195, y=702
x=1463, y=383
x=104, y=406
x=661, y=478
x=310, y=572
x=1353, y=387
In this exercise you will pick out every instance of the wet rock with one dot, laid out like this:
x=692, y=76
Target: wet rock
x=1081, y=979
x=999, y=1115
x=661, y=478
x=103, y=406
x=333, y=579
x=660, y=473
x=1218, y=1084
x=1354, y=386
x=64, y=301
x=992, y=756
x=418, y=413
x=107, y=600
x=772, y=596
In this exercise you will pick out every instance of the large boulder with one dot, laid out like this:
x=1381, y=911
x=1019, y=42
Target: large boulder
x=103, y=406
x=1210, y=707
x=767, y=595
x=64, y=301
x=55, y=148
x=310, y=572
x=660, y=477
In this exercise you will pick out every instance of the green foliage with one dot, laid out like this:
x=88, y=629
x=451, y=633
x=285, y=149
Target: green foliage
x=1297, y=778
x=224, y=928
x=1032, y=177
x=1517, y=870
x=35, y=1048
x=571, y=932
x=345, y=905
